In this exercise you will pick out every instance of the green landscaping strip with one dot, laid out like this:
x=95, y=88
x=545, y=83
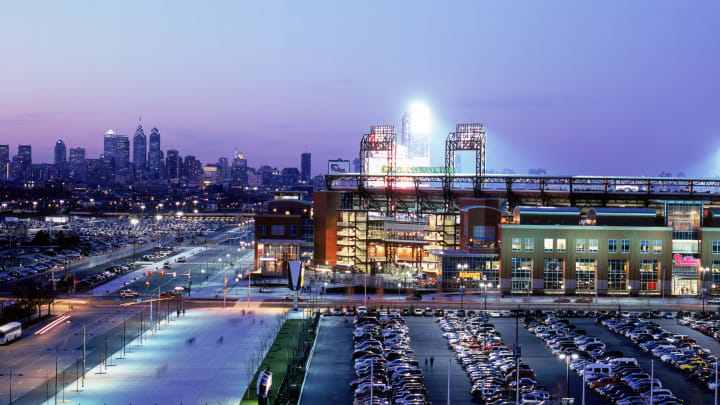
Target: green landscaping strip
x=276, y=359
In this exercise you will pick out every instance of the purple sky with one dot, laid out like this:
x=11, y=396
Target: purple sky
x=617, y=87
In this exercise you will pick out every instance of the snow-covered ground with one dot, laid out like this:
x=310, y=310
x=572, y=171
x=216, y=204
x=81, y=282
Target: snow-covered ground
x=202, y=358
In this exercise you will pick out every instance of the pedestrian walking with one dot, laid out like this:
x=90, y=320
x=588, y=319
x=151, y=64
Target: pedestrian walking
x=432, y=361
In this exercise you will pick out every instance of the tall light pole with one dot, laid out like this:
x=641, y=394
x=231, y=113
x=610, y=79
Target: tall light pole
x=567, y=358
x=134, y=223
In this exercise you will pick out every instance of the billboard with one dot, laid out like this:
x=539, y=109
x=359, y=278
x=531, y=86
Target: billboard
x=338, y=166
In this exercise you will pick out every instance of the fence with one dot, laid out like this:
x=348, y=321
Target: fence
x=106, y=343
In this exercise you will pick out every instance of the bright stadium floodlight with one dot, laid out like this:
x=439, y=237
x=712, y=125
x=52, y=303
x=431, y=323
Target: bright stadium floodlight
x=420, y=116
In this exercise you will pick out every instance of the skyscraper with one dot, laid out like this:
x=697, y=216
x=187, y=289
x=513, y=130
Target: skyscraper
x=172, y=164
x=122, y=160
x=238, y=172
x=60, y=152
x=78, y=165
x=154, y=154
x=24, y=162
x=305, y=174
x=4, y=162
x=109, y=144
x=139, y=152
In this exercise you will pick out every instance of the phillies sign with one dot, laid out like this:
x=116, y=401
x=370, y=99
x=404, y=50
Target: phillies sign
x=686, y=260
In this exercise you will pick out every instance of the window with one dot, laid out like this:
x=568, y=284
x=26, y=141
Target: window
x=548, y=245
x=585, y=274
x=593, y=245
x=625, y=246
x=483, y=236
x=580, y=245
x=715, y=272
x=515, y=244
x=261, y=229
x=561, y=245
x=644, y=246
x=716, y=247
x=529, y=244
x=657, y=246
x=553, y=274
x=617, y=275
x=277, y=230
x=648, y=275
x=293, y=229
x=612, y=245
x=521, y=273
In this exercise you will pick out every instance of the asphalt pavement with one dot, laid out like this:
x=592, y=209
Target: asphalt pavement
x=331, y=368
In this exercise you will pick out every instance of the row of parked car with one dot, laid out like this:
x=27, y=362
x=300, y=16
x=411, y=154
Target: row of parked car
x=105, y=275
x=492, y=367
x=707, y=326
x=682, y=352
x=385, y=366
x=159, y=254
x=618, y=379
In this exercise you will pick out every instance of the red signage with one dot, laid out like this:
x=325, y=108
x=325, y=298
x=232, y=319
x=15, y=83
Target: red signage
x=686, y=261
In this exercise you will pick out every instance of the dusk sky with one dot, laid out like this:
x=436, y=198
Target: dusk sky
x=576, y=87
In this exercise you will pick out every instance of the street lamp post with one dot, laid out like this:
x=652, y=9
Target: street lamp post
x=567, y=358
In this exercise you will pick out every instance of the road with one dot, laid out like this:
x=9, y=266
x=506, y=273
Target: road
x=331, y=368
x=33, y=357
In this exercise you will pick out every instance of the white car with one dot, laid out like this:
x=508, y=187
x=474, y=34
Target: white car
x=714, y=301
x=291, y=297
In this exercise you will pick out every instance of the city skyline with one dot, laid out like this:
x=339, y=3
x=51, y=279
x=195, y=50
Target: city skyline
x=561, y=79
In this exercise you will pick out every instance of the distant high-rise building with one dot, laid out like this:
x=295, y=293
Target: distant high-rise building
x=172, y=164
x=154, y=154
x=109, y=144
x=357, y=167
x=193, y=167
x=25, y=162
x=139, y=152
x=290, y=176
x=238, y=172
x=60, y=152
x=4, y=162
x=122, y=160
x=78, y=165
x=223, y=171
x=305, y=160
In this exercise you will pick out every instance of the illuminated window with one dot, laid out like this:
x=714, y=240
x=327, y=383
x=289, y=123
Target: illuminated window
x=657, y=246
x=553, y=274
x=261, y=229
x=625, y=246
x=580, y=245
x=716, y=247
x=612, y=245
x=649, y=275
x=516, y=244
x=593, y=245
x=585, y=270
x=617, y=275
x=548, y=245
x=521, y=273
x=561, y=245
x=644, y=246
x=529, y=244
x=277, y=230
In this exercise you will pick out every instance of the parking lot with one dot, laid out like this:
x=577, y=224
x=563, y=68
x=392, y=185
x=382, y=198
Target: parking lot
x=670, y=377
